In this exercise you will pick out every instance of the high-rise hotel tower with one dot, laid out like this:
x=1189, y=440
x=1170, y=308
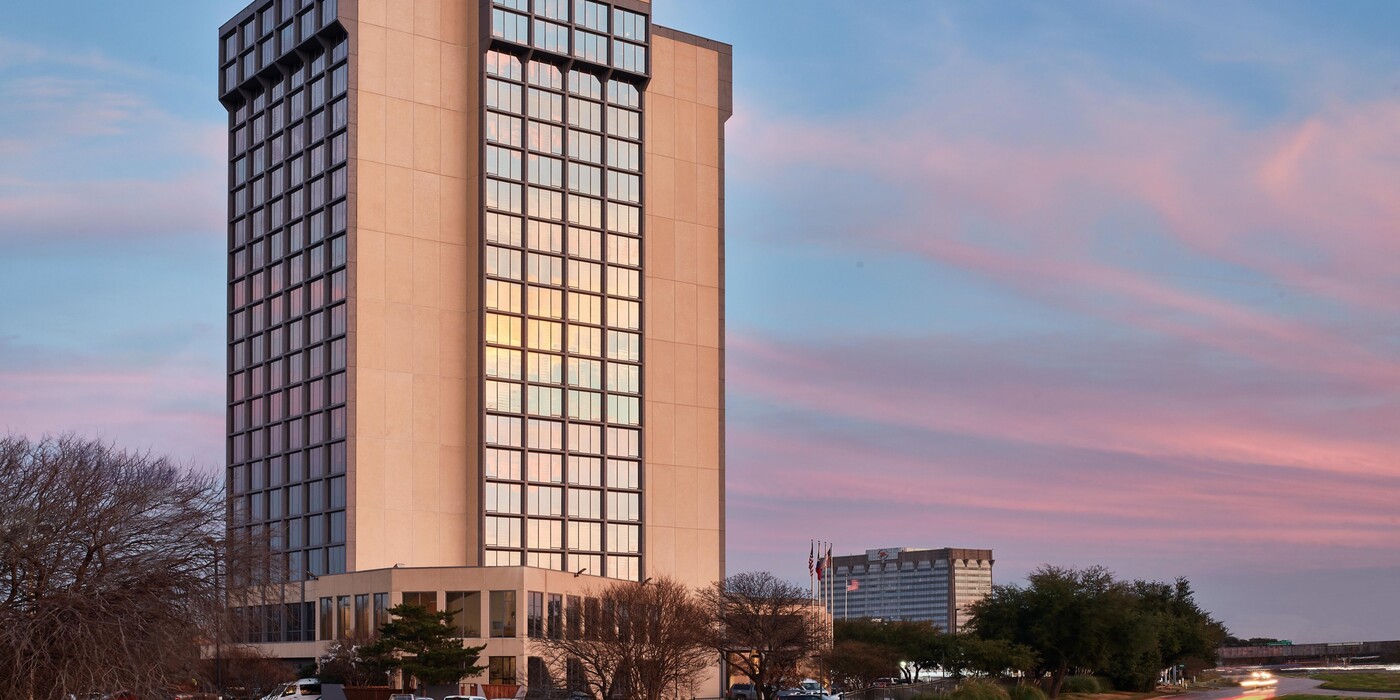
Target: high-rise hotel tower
x=476, y=308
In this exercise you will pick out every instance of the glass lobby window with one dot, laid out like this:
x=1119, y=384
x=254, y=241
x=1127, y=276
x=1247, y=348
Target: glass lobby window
x=344, y=622
x=534, y=614
x=326, y=628
x=555, y=612
x=465, y=607
x=502, y=668
x=364, y=625
x=502, y=622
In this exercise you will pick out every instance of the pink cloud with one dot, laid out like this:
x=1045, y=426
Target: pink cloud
x=174, y=410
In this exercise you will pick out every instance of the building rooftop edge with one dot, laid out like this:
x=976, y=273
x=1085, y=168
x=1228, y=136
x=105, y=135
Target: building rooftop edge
x=693, y=39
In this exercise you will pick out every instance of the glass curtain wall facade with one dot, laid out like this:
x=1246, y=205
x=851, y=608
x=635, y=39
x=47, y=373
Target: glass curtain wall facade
x=562, y=254
x=284, y=82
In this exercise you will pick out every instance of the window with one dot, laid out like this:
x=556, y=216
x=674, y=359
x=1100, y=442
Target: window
x=545, y=236
x=585, y=308
x=585, y=85
x=546, y=500
x=584, y=340
x=585, y=114
x=624, y=251
x=546, y=105
x=624, y=506
x=544, y=368
x=503, y=430
x=534, y=614
x=551, y=37
x=624, y=123
x=503, y=195
x=326, y=628
x=586, y=179
x=545, y=534
x=593, y=15
x=502, y=668
x=629, y=25
x=546, y=171
x=503, y=396
x=624, y=378
x=585, y=470
x=624, y=538
x=502, y=532
x=509, y=26
x=546, y=138
x=555, y=625
x=622, y=474
x=503, y=96
x=624, y=154
x=545, y=401
x=624, y=94
x=503, y=65
x=465, y=607
x=364, y=626
x=502, y=330
x=502, y=498
x=624, y=409
x=503, y=128
x=544, y=335
x=502, y=624
x=546, y=302
x=343, y=621
x=586, y=146
x=630, y=57
x=624, y=346
x=585, y=373
x=585, y=536
x=585, y=405
x=584, y=243
x=503, y=464
x=546, y=76
x=503, y=162
x=553, y=9
x=503, y=296
x=423, y=599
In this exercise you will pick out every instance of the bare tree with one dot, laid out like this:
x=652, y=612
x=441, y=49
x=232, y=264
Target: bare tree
x=766, y=627
x=107, y=568
x=634, y=641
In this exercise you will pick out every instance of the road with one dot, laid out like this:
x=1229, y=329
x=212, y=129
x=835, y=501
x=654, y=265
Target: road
x=1286, y=686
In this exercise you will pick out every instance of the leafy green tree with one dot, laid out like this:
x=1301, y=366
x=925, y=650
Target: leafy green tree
x=1062, y=614
x=421, y=644
x=994, y=657
x=856, y=664
x=1085, y=619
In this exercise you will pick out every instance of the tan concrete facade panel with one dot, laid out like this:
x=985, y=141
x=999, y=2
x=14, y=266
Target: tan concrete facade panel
x=684, y=348
x=412, y=290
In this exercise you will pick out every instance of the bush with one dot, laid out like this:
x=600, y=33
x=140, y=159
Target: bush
x=979, y=689
x=1085, y=684
x=1025, y=692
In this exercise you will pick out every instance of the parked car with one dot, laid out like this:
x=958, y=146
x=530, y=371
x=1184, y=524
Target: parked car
x=743, y=691
x=303, y=689
x=464, y=697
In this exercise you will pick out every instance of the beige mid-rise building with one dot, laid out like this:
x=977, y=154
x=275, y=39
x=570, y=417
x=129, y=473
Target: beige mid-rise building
x=476, y=308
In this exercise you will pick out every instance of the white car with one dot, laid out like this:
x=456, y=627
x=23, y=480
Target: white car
x=464, y=697
x=304, y=689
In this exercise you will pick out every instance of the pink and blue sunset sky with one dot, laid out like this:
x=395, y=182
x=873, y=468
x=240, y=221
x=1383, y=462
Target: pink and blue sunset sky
x=1085, y=283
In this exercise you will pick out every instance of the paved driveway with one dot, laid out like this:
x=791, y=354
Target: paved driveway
x=1286, y=686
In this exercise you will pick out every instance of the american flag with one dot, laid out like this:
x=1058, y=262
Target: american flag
x=811, y=557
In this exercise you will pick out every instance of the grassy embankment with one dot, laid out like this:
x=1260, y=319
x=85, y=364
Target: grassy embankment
x=1374, y=682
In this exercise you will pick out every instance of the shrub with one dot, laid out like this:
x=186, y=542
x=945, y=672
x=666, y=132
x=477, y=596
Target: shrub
x=1025, y=692
x=979, y=689
x=1084, y=684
